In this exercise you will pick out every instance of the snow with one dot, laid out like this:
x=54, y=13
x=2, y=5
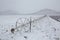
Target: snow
x=45, y=28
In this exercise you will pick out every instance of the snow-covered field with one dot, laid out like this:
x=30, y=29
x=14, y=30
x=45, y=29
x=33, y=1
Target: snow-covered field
x=29, y=27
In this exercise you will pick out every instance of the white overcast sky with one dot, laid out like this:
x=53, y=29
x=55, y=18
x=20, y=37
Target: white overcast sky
x=29, y=6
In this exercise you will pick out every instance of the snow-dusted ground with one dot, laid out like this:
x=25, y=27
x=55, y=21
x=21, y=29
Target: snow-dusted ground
x=44, y=28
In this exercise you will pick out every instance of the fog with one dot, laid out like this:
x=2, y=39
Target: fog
x=29, y=6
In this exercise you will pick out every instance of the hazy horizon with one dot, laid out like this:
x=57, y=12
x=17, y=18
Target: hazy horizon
x=29, y=6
